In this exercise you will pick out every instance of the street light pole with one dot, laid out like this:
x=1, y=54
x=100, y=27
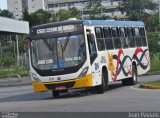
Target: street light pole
x=82, y=10
x=18, y=61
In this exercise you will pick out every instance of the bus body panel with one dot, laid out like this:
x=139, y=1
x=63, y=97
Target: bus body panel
x=118, y=63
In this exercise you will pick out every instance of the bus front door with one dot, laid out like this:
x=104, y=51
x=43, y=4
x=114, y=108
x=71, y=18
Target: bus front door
x=94, y=61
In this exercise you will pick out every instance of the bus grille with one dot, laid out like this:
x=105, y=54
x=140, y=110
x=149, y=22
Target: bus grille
x=54, y=86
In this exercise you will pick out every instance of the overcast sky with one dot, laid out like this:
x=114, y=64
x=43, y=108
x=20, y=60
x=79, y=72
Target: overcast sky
x=3, y=4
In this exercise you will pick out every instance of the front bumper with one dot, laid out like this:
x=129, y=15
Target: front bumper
x=74, y=83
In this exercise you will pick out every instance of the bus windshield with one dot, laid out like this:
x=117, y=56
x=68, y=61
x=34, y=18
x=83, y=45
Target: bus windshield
x=58, y=53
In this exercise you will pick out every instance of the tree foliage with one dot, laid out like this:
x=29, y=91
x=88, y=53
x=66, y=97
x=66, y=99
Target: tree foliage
x=8, y=59
x=38, y=17
x=42, y=17
x=154, y=43
x=137, y=9
x=94, y=7
x=70, y=13
x=6, y=13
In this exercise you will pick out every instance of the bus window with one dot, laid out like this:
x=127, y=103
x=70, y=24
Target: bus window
x=92, y=47
x=142, y=35
x=130, y=35
x=123, y=38
x=137, y=37
x=116, y=38
x=108, y=38
x=100, y=39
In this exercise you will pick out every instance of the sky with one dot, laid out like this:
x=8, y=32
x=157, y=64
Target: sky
x=3, y=4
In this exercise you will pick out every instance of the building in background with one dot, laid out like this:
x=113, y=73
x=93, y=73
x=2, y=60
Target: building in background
x=110, y=7
x=34, y=5
x=16, y=7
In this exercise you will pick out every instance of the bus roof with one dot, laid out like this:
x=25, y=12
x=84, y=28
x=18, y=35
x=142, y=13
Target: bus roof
x=93, y=23
x=112, y=23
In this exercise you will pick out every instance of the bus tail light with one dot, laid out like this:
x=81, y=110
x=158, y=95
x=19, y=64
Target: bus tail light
x=83, y=73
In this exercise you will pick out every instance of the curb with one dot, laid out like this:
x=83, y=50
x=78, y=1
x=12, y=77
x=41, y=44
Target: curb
x=15, y=85
x=149, y=87
x=152, y=73
x=14, y=82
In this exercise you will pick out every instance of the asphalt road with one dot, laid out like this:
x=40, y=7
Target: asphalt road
x=117, y=99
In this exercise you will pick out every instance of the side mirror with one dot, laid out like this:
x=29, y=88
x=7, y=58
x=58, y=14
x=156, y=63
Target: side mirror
x=91, y=38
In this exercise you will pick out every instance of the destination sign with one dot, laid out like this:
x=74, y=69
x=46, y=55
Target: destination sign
x=59, y=29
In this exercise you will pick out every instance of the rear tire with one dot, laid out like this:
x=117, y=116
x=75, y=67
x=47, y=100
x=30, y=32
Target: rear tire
x=133, y=79
x=134, y=75
x=101, y=88
x=55, y=94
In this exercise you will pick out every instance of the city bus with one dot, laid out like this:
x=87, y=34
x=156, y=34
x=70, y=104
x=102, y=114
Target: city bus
x=75, y=54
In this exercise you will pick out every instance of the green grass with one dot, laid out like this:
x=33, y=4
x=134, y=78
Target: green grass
x=152, y=83
x=14, y=71
x=155, y=65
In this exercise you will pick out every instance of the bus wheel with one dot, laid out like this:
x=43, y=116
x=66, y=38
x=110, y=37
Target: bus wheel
x=55, y=93
x=133, y=79
x=101, y=88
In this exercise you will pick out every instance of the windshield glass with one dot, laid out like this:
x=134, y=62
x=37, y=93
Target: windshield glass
x=61, y=52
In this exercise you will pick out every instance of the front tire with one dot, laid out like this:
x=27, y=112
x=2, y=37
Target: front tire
x=101, y=88
x=55, y=94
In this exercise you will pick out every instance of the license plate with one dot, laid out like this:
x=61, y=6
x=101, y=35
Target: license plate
x=61, y=88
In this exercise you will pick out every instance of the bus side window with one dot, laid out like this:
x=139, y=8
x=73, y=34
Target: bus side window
x=100, y=39
x=130, y=34
x=123, y=38
x=92, y=47
x=108, y=38
x=116, y=38
x=143, y=37
x=137, y=37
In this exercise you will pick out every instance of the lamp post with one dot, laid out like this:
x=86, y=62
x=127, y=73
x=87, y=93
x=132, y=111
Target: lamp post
x=82, y=10
x=83, y=4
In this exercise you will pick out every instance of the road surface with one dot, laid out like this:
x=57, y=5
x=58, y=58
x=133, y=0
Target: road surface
x=117, y=99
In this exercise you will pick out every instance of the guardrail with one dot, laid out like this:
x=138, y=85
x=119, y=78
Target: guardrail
x=12, y=75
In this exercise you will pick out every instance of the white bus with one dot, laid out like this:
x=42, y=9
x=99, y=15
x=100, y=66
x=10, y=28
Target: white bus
x=77, y=54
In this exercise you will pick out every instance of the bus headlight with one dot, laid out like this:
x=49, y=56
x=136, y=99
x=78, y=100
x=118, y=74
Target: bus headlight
x=83, y=73
x=35, y=78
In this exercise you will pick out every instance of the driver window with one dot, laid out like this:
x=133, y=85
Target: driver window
x=92, y=46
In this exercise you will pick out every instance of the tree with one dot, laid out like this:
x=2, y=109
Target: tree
x=137, y=9
x=152, y=23
x=26, y=15
x=94, y=7
x=153, y=41
x=63, y=15
x=6, y=13
x=74, y=12
x=38, y=17
x=8, y=60
x=70, y=13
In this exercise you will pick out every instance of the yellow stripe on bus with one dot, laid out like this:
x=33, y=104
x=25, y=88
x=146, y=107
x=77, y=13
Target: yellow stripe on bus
x=79, y=83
